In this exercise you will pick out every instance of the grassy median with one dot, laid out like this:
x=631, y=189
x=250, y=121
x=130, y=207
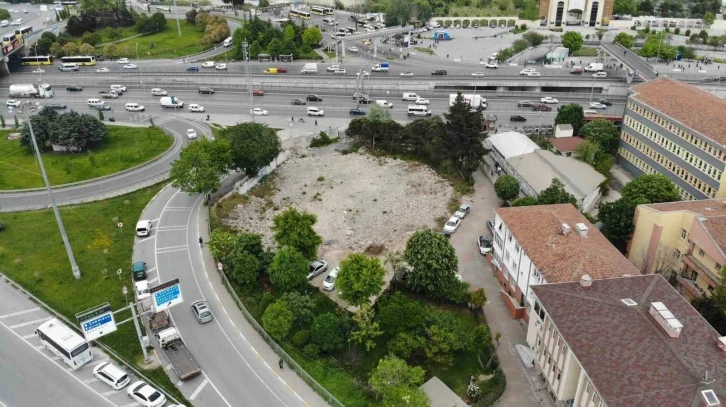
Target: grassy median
x=126, y=147
x=167, y=43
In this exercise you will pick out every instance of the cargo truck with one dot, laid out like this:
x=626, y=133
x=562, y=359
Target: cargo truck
x=309, y=68
x=473, y=100
x=181, y=359
x=30, y=91
x=594, y=67
x=381, y=67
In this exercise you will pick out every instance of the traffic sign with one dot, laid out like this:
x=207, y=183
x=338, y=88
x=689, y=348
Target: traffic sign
x=97, y=322
x=166, y=295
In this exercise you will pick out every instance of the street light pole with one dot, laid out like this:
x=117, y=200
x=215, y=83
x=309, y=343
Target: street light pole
x=246, y=55
x=659, y=42
x=141, y=74
x=69, y=251
x=592, y=90
x=176, y=11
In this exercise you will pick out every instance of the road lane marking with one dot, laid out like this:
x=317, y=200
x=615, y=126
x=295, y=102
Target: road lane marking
x=89, y=381
x=151, y=270
x=175, y=208
x=153, y=280
x=171, y=227
x=108, y=393
x=37, y=321
x=199, y=389
x=28, y=336
x=171, y=249
x=15, y=314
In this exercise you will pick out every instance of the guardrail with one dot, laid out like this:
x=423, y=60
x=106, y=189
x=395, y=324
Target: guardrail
x=101, y=345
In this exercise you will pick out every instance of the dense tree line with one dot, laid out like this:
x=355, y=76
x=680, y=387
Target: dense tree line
x=75, y=131
x=263, y=37
x=97, y=15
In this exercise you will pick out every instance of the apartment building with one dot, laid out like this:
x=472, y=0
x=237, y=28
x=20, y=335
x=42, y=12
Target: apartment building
x=684, y=241
x=676, y=129
x=547, y=244
x=625, y=342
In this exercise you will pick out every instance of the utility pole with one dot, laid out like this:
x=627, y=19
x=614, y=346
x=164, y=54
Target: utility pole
x=176, y=11
x=74, y=267
x=246, y=55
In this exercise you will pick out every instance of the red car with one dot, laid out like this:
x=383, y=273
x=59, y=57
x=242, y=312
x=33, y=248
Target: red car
x=281, y=69
x=541, y=108
x=257, y=92
x=577, y=70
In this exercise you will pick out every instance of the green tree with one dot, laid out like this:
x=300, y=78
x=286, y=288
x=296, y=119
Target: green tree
x=481, y=340
x=520, y=45
x=277, y=319
x=78, y=131
x=398, y=12
x=92, y=38
x=398, y=313
x=295, y=229
x=243, y=268
x=572, y=114
x=462, y=144
x=534, y=38
x=709, y=18
x=377, y=113
x=624, y=7
x=645, y=8
x=70, y=49
x=617, y=221
x=556, y=194
x=86, y=49
x=289, y=269
x=312, y=36
x=525, y=201
x=43, y=127
x=191, y=16
x=359, y=278
x=407, y=345
x=42, y=46
x=275, y=48
x=572, y=40
x=5, y=15
x=654, y=188
x=200, y=166
x=264, y=3
x=56, y=50
x=301, y=305
x=110, y=51
x=433, y=264
x=254, y=146
x=327, y=332
x=507, y=187
x=603, y=133
x=625, y=39
x=367, y=329
x=221, y=243
x=398, y=384
x=112, y=34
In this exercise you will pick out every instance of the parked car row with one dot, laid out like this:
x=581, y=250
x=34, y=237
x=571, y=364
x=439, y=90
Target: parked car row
x=452, y=225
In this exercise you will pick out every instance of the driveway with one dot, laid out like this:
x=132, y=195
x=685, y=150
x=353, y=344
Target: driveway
x=524, y=388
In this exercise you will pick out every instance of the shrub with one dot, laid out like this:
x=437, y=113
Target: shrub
x=493, y=390
x=2, y=226
x=311, y=350
x=301, y=338
x=322, y=140
x=677, y=31
x=688, y=33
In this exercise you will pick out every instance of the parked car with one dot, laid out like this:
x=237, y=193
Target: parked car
x=208, y=64
x=517, y=118
x=490, y=226
x=605, y=102
x=329, y=282
x=138, y=271
x=13, y=103
x=332, y=68
x=484, y=244
x=314, y=111
x=491, y=65
x=281, y=69
x=357, y=112
x=131, y=66
x=146, y=395
x=549, y=100
x=340, y=72
x=206, y=90
x=103, y=70
x=541, y=108
x=577, y=70
x=258, y=112
x=365, y=101
x=463, y=210
x=526, y=71
x=407, y=73
x=439, y=72
x=201, y=312
x=258, y=92
x=313, y=98
x=600, y=74
x=192, y=69
x=317, y=267
x=524, y=103
x=110, y=374
x=452, y=224
x=191, y=134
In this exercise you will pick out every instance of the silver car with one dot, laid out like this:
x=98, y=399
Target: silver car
x=317, y=267
x=201, y=311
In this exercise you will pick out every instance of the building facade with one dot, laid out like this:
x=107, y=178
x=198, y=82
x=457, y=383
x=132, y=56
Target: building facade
x=592, y=13
x=683, y=241
x=676, y=129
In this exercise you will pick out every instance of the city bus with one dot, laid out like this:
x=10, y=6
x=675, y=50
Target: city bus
x=303, y=15
x=9, y=38
x=24, y=31
x=62, y=341
x=317, y=10
x=83, y=60
x=327, y=11
x=37, y=60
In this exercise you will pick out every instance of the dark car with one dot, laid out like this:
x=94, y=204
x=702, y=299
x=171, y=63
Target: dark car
x=56, y=106
x=74, y=88
x=281, y=69
x=577, y=71
x=365, y=101
x=314, y=98
x=517, y=118
x=490, y=226
x=605, y=102
x=104, y=106
x=298, y=102
x=258, y=92
x=207, y=90
x=439, y=72
x=541, y=108
x=192, y=69
x=138, y=271
x=524, y=103
x=357, y=112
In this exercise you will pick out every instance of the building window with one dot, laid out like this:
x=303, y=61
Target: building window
x=677, y=254
x=701, y=252
x=516, y=247
x=506, y=256
x=684, y=234
x=718, y=267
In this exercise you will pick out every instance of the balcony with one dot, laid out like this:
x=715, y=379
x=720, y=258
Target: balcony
x=689, y=287
x=701, y=269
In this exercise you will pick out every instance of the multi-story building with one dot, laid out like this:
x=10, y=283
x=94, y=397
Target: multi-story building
x=544, y=244
x=625, y=342
x=684, y=241
x=591, y=13
x=676, y=129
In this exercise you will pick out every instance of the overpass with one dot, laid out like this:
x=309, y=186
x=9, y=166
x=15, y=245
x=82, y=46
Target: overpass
x=19, y=43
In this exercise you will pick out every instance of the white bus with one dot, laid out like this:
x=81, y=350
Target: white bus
x=418, y=110
x=72, y=348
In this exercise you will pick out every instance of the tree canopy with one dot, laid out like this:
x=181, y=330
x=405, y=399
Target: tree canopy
x=200, y=166
x=556, y=194
x=572, y=114
x=395, y=381
x=359, y=278
x=506, y=187
x=277, y=319
x=653, y=188
x=295, y=229
x=625, y=39
x=433, y=262
x=289, y=269
x=253, y=146
x=624, y=7
x=572, y=40
x=603, y=133
x=327, y=332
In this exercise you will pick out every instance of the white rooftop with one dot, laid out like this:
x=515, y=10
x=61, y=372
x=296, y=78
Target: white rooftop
x=511, y=144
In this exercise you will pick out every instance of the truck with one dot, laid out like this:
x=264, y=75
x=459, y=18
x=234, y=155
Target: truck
x=159, y=321
x=473, y=100
x=380, y=67
x=181, y=359
x=108, y=94
x=309, y=68
x=171, y=101
x=594, y=67
x=30, y=91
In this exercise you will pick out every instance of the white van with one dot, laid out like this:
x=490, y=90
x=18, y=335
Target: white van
x=409, y=97
x=418, y=110
x=142, y=289
x=384, y=103
x=95, y=102
x=134, y=107
x=68, y=67
x=158, y=92
x=228, y=42
x=329, y=21
x=4, y=23
x=143, y=228
x=314, y=111
x=118, y=88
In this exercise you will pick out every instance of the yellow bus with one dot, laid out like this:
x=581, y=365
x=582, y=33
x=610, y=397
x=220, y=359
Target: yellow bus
x=317, y=10
x=81, y=60
x=303, y=15
x=9, y=38
x=37, y=60
x=327, y=11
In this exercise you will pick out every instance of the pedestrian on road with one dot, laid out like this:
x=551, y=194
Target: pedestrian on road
x=201, y=242
x=625, y=53
x=316, y=122
x=280, y=363
x=292, y=119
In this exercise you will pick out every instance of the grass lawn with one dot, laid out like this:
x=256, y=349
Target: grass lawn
x=32, y=254
x=585, y=52
x=167, y=44
x=125, y=147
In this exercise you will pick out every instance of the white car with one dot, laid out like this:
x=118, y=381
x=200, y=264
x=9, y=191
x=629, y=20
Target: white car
x=25, y=10
x=16, y=22
x=463, y=210
x=258, y=112
x=13, y=103
x=332, y=68
x=340, y=72
x=422, y=101
x=452, y=224
x=549, y=100
x=191, y=134
x=478, y=74
x=537, y=74
x=491, y=65
x=134, y=107
x=406, y=73
x=146, y=395
x=130, y=66
x=600, y=75
x=485, y=245
x=353, y=49
x=123, y=61
x=196, y=108
x=39, y=70
x=365, y=73
x=314, y=111
x=329, y=282
x=526, y=71
x=108, y=373
x=103, y=70
x=208, y=64
x=221, y=67
x=597, y=105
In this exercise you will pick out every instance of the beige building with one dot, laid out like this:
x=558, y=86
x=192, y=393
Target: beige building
x=684, y=241
x=592, y=13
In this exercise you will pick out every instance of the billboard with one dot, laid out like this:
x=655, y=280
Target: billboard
x=166, y=295
x=97, y=322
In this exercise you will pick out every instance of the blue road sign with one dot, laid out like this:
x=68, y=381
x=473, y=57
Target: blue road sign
x=166, y=295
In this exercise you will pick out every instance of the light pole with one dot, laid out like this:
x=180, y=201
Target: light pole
x=176, y=11
x=74, y=267
x=660, y=41
x=592, y=89
x=246, y=55
x=141, y=74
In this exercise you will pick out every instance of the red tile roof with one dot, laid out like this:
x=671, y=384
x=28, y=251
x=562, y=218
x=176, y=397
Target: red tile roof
x=692, y=106
x=567, y=144
x=560, y=258
x=628, y=357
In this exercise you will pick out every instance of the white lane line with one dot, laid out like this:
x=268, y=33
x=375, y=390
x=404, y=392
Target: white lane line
x=15, y=314
x=171, y=249
x=108, y=393
x=177, y=208
x=28, y=336
x=37, y=321
x=3, y=404
x=89, y=381
x=39, y=347
x=151, y=270
x=153, y=280
x=199, y=389
x=171, y=228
